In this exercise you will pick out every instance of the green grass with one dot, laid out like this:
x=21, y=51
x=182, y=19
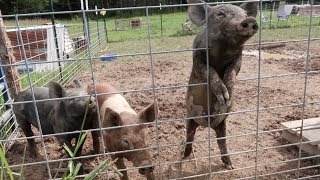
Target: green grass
x=71, y=172
x=69, y=70
x=172, y=27
x=172, y=37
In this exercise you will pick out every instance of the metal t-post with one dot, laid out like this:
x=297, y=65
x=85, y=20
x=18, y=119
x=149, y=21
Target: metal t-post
x=56, y=40
x=97, y=17
x=161, y=19
x=273, y=6
x=105, y=27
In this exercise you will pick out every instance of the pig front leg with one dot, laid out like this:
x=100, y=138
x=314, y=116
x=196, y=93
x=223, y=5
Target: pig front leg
x=120, y=165
x=95, y=134
x=64, y=140
x=217, y=85
x=230, y=77
x=95, y=141
x=26, y=128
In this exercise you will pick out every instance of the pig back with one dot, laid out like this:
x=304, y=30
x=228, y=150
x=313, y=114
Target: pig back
x=26, y=111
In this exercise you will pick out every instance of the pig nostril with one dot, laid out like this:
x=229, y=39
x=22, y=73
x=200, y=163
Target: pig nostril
x=146, y=170
x=245, y=25
x=255, y=27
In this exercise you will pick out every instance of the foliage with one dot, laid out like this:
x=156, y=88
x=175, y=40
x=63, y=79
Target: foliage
x=4, y=164
x=31, y=6
x=73, y=169
x=27, y=6
x=6, y=168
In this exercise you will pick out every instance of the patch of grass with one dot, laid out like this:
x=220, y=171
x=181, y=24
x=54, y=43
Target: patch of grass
x=6, y=170
x=170, y=36
x=38, y=79
x=171, y=25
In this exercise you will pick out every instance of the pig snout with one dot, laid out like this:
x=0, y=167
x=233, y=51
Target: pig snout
x=92, y=102
x=146, y=168
x=248, y=27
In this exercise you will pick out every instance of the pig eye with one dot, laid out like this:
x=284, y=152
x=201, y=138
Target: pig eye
x=126, y=143
x=221, y=14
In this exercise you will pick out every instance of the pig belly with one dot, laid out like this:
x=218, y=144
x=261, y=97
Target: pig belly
x=197, y=105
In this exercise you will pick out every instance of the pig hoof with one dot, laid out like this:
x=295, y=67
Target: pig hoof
x=94, y=152
x=112, y=176
x=33, y=155
x=186, y=153
x=150, y=176
x=230, y=167
x=228, y=103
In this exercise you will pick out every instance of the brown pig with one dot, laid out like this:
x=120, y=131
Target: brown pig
x=115, y=111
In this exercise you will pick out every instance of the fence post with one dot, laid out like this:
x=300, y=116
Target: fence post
x=56, y=41
x=97, y=16
x=105, y=27
x=6, y=58
x=271, y=13
x=161, y=19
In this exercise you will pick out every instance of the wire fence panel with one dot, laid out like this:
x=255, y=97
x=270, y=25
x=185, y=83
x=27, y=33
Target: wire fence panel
x=148, y=59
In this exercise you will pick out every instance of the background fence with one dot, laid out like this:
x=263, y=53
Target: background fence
x=154, y=62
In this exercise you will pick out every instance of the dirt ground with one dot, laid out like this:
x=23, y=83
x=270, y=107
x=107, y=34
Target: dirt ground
x=280, y=99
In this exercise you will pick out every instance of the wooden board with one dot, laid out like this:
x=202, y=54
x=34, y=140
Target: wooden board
x=311, y=129
x=306, y=147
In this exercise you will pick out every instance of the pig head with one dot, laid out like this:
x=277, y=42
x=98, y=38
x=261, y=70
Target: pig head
x=69, y=114
x=129, y=138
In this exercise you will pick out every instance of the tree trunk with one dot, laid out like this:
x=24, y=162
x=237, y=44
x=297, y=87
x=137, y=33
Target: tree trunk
x=7, y=58
x=69, y=5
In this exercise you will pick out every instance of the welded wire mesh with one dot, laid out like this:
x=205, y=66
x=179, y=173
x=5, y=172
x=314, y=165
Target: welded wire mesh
x=273, y=86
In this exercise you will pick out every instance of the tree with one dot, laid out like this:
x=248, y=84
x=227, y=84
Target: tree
x=28, y=6
x=7, y=58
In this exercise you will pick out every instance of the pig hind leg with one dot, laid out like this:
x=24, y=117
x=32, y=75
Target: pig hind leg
x=191, y=130
x=95, y=141
x=220, y=130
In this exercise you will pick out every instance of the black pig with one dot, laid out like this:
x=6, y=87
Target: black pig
x=56, y=116
x=228, y=28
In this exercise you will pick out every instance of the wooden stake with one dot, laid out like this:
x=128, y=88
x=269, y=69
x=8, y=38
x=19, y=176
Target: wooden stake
x=6, y=57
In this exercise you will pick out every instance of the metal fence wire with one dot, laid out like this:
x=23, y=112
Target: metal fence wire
x=150, y=61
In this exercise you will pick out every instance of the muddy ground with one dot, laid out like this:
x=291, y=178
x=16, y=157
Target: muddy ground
x=280, y=101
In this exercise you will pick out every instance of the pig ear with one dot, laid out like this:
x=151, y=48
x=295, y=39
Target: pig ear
x=56, y=90
x=111, y=118
x=77, y=83
x=197, y=12
x=89, y=88
x=149, y=113
x=251, y=8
